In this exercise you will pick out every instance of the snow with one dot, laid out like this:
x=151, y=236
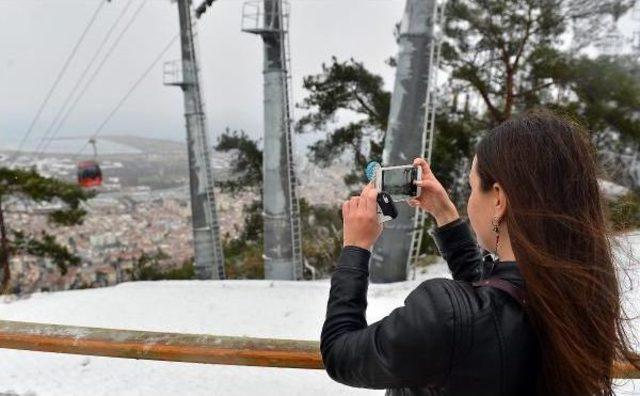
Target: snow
x=612, y=190
x=627, y=253
x=277, y=309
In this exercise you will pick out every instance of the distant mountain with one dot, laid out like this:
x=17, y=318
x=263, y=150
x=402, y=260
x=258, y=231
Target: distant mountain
x=147, y=145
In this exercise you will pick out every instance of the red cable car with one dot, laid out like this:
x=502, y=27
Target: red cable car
x=89, y=172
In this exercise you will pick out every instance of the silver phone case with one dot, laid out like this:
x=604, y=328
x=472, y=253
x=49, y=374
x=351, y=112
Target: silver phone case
x=378, y=178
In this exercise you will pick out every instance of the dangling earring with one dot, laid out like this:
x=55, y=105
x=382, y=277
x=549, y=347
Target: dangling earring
x=496, y=228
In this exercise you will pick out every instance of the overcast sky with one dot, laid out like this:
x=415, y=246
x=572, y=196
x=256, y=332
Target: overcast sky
x=36, y=37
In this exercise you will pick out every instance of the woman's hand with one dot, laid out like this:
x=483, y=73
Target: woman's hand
x=433, y=197
x=360, y=219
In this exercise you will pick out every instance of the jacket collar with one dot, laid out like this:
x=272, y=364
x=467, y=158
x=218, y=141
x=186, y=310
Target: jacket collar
x=507, y=270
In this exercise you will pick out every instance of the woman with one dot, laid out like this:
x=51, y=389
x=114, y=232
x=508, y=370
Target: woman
x=543, y=319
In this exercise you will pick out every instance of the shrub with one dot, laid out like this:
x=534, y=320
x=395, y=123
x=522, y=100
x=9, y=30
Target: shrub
x=624, y=213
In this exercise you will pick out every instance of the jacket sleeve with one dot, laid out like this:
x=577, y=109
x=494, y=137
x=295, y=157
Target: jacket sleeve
x=409, y=347
x=459, y=248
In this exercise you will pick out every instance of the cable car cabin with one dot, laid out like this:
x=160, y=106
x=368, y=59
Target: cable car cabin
x=89, y=174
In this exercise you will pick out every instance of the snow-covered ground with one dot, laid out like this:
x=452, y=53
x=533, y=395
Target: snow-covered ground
x=277, y=309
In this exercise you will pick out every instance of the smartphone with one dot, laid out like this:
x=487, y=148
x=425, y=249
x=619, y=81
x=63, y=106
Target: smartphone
x=399, y=181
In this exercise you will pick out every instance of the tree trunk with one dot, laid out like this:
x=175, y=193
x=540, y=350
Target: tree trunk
x=4, y=253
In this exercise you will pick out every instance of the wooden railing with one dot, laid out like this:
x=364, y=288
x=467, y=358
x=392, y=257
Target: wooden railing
x=177, y=347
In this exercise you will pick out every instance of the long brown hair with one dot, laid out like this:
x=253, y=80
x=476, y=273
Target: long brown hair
x=559, y=230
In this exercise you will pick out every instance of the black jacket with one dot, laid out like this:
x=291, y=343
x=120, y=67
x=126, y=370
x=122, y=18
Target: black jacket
x=449, y=338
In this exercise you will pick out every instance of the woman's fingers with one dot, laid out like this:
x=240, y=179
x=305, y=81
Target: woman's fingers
x=428, y=184
x=422, y=163
x=365, y=189
x=354, y=203
x=350, y=205
x=423, y=183
x=366, y=201
x=345, y=209
x=368, y=197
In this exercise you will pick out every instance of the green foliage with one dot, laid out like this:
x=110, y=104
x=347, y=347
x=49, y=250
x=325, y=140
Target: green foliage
x=624, y=213
x=321, y=241
x=490, y=44
x=321, y=236
x=607, y=96
x=45, y=246
x=67, y=217
x=253, y=223
x=29, y=185
x=508, y=55
x=346, y=86
x=147, y=268
x=184, y=272
x=456, y=129
x=508, y=52
x=243, y=254
x=453, y=151
x=243, y=260
x=321, y=225
x=247, y=163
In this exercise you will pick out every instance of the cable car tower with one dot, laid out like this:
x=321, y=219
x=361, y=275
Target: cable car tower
x=411, y=119
x=184, y=73
x=281, y=212
x=428, y=131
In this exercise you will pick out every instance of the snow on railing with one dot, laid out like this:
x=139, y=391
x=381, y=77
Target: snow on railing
x=178, y=347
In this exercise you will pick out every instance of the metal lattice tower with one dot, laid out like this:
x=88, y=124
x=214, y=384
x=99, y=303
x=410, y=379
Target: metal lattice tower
x=281, y=211
x=428, y=132
x=209, y=256
x=406, y=126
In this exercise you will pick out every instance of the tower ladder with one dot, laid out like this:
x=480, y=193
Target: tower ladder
x=294, y=205
x=428, y=131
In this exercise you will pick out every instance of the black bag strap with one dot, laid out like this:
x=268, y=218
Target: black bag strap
x=498, y=283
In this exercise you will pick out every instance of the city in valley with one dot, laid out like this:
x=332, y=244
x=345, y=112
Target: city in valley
x=143, y=207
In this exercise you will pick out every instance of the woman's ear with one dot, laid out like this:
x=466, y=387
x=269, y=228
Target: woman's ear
x=500, y=201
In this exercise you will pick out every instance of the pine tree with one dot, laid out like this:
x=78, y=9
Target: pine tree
x=346, y=86
x=29, y=185
x=503, y=57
